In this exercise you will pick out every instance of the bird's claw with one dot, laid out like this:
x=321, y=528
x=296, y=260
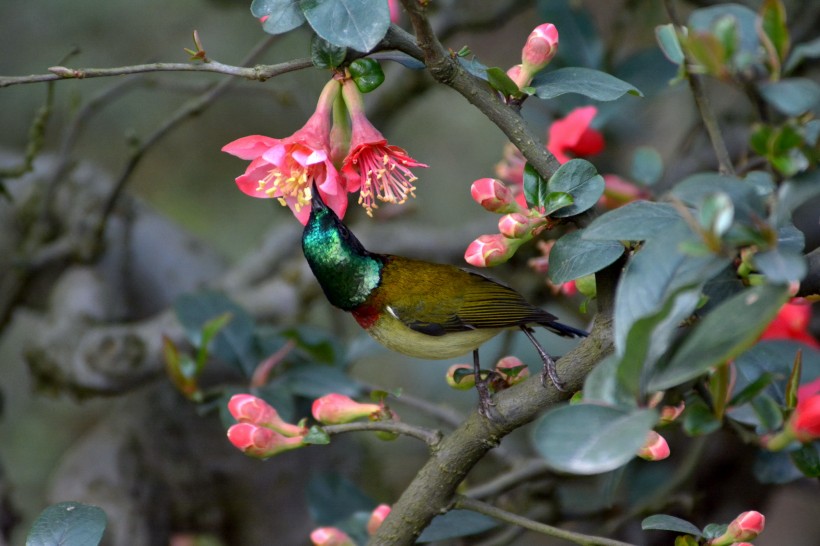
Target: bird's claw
x=549, y=371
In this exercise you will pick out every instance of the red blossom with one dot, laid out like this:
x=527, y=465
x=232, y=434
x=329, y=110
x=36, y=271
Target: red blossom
x=805, y=421
x=572, y=136
x=261, y=442
x=792, y=322
x=288, y=168
x=375, y=168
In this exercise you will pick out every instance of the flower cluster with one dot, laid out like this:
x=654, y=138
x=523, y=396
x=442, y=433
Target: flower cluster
x=260, y=431
x=289, y=169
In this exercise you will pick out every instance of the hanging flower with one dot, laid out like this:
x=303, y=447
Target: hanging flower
x=373, y=167
x=289, y=168
x=792, y=322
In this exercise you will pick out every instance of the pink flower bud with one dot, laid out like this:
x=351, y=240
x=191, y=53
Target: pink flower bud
x=511, y=368
x=805, y=421
x=670, y=413
x=377, y=517
x=330, y=536
x=489, y=250
x=655, y=448
x=335, y=409
x=541, y=47
x=493, y=195
x=395, y=10
x=744, y=527
x=514, y=225
x=247, y=408
x=517, y=74
x=465, y=382
x=261, y=442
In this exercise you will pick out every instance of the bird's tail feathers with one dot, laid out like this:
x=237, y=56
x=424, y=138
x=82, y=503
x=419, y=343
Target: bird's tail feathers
x=564, y=330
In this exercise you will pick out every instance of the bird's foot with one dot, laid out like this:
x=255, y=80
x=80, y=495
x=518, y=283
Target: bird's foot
x=549, y=371
x=486, y=405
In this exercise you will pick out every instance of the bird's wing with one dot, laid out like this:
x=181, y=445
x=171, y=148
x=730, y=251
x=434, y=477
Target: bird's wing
x=437, y=299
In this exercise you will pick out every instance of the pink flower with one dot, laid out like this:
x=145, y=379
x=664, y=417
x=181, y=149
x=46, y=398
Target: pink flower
x=330, y=536
x=377, y=517
x=335, y=409
x=261, y=442
x=655, y=448
x=744, y=527
x=792, y=322
x=395, y=10
x=493, y=195
x=247, y=408
x=572, y=136
x=379, y=170
x=288, y=168
x=541, y=47
x=489, y=250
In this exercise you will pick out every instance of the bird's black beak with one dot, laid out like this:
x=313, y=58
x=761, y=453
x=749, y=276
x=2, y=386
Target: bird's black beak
x=316, y=203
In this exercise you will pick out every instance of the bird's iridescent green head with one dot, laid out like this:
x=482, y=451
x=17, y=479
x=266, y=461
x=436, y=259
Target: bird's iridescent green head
x=345, y=270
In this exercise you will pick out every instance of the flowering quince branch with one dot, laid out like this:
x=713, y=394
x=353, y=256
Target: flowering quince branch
x=431, y=437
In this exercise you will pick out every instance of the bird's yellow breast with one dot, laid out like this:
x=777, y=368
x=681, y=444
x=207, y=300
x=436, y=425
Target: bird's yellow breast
x=395, y=335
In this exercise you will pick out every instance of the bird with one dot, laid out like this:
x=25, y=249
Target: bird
x=417, y=308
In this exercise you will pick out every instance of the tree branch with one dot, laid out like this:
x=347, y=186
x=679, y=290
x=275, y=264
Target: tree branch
x=430, y=437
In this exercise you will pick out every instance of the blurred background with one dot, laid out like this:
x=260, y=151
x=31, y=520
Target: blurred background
x=126, y=440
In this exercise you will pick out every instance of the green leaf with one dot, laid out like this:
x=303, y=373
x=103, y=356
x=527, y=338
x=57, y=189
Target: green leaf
x=773, y=24
x=806, y=50
x=590, y=439
x=573, y=257
x=234, y=343
x=535, y=187
x=367, y=74
x=748, y=204
x=662, y=522
x=658, y=272
x=323, y=54
x=807, y=460
x=768, y=411
x=647, y=166
x=723, y=334
x=317, y=436
x=781, y=266
x=456, y=523
x=704, y=20
x=775, y=468
x=635, y=221
x=500, y=81
x=795, y=192
x=282, y=15
x=556, y=200
x=594, y=84
x=332, y=498
x=603, y=385
x=357, y=24
x=69, y=524
x=580, y=179
x=791, y=96
x=698, y=419
x=751, y=390
x=668, y=41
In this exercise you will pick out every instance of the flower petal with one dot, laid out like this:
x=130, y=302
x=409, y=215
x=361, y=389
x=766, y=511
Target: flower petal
x=250, y=147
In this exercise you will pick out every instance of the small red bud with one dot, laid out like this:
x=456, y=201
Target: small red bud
x=335, y=409
x=330, y=536
x=514, y=225
x=744, y=527
x=261, y=442
x=655, y=448
x=670, y=413
x=513, y=370
x=493, y=195
x=377, y=517
x=517, y=74
x=489, y=250
x=247, y=408
x=541, y=47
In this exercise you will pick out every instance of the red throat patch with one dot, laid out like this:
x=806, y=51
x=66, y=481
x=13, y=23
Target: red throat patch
x=366, y=316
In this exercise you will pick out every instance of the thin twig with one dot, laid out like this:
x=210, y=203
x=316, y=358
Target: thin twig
x=429, y=436
x=522, y=472
x=258, y=73
x=702, y=102
x=466, y=503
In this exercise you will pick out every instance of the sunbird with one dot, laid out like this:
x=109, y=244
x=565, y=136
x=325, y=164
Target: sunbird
x=418, y=308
